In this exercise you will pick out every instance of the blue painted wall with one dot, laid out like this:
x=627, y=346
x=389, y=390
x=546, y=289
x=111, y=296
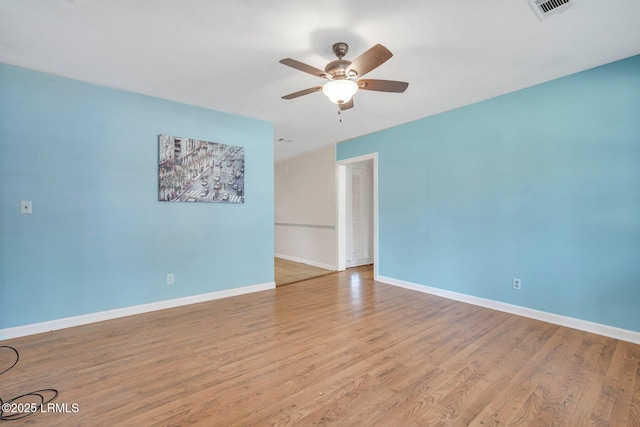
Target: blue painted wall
x=98, y=239
x=542, y=184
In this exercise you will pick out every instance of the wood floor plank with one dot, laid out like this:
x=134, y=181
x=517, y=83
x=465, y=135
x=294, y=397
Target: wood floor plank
x=634, y=411
x=287, y=272
x=338, y=350
x=517, y=401
x=622, y=372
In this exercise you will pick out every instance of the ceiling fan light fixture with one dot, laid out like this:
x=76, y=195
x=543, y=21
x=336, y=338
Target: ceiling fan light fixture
x=342, y=75
x=340, y=91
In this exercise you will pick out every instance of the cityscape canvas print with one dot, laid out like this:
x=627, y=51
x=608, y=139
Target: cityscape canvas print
x=191, y=170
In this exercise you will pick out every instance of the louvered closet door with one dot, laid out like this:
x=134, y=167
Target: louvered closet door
x=360, y=238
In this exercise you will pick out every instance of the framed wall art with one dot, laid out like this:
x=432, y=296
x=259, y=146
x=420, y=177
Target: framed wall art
x=192, y=170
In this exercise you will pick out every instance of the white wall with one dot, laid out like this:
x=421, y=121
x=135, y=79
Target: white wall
x=305, y=208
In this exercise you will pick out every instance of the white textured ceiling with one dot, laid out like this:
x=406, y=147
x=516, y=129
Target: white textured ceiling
x=224, y=55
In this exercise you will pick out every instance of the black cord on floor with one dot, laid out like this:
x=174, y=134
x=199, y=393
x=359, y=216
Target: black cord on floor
x=19, y=407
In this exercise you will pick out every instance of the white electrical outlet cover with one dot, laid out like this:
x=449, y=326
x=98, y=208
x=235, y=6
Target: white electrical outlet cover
x=25, y=207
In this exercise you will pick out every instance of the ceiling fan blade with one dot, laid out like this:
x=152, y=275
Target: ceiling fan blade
x=304, y=67
x=383, y=85
x=369, y=60
x=346, y=105
x=303, y=92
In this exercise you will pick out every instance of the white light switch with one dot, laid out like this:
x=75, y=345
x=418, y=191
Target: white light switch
x=25, y=207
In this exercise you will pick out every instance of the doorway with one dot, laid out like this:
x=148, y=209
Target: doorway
x=357, y=211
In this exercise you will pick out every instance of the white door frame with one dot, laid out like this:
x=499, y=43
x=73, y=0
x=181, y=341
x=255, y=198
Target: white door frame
x=341, y=211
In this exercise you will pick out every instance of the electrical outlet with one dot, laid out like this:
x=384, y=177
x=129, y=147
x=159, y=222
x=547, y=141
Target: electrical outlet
x=317, y=250
x=25, y=207
x=517, y=284
x=170, y=279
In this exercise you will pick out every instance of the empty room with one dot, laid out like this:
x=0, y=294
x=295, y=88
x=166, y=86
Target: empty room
x=462, y=177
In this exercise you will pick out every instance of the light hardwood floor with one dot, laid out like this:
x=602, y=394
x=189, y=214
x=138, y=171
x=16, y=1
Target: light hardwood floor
x=338, y=350
x=287, y=272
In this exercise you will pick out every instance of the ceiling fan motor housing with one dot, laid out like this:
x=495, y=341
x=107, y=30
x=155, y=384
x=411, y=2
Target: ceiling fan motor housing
x=336, y=68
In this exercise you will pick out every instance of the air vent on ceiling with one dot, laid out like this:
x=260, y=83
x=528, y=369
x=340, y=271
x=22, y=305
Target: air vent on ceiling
x=544, y=8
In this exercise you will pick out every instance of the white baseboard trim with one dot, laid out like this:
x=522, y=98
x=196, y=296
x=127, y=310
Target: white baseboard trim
x=306, y=261
x=68, y=322
x=570, y=322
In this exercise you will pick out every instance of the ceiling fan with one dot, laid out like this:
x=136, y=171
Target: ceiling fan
x=343, y=75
